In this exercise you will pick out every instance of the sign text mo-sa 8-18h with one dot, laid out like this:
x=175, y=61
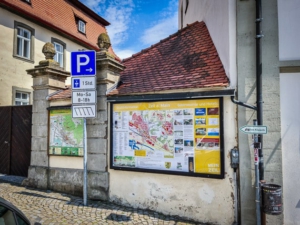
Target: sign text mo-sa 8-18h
x=84, y=96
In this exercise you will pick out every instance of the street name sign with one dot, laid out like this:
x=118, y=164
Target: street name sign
x=83, y=83
x=248, y=129
x=84, y=111
x=84, y=97
x=83, y=63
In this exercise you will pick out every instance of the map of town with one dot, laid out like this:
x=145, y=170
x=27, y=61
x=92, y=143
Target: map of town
x=65, y=131
x=152, y=131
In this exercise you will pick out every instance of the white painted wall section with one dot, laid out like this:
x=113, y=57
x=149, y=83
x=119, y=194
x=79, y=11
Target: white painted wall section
x=290, y=134
x=289, y=29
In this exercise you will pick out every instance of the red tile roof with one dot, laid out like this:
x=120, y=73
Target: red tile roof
x=60, y=15
x=184, y=60
x=187, y=59
x=61, y=94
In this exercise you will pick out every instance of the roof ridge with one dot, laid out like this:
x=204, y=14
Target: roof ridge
x=162, y=40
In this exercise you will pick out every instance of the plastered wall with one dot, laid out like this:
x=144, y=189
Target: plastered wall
x=201, y=199
x=246, y=62
x=290, y=125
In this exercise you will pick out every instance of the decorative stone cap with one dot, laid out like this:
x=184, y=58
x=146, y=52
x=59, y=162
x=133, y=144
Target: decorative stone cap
x=49, y=52
x=103, y=42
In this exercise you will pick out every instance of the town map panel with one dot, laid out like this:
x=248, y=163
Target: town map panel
x=66, y=133
x=181, y=136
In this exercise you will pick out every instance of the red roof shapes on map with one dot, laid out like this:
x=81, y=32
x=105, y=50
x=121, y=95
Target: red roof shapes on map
x=185, y=60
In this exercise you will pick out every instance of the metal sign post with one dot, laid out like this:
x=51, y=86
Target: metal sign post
x=257, y=186
x=84, y=98
x=84, y=163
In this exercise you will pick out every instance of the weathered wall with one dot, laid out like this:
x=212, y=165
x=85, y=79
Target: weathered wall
x=220, y=18
x=201, y=199
x=290, y=126
x=13, y=70
x=247, y=93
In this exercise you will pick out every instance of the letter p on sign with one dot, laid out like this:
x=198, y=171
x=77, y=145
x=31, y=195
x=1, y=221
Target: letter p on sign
x=83, y=63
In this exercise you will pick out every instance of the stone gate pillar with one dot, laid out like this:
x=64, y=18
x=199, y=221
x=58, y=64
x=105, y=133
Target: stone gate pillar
x=108, y=72
x=48, y=77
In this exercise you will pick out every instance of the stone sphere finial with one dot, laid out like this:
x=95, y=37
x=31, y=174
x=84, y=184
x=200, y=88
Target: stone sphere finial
x=49, y=51
x=103, y=42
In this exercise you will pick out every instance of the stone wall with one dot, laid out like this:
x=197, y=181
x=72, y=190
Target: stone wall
x=47, y=78
x=246, y=50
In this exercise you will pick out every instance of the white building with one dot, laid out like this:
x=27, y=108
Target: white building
x=232, y=27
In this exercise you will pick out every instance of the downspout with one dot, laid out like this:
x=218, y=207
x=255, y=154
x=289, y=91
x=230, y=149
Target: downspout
x=259, y=101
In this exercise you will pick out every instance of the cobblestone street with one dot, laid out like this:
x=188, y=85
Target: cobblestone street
x=47, y=207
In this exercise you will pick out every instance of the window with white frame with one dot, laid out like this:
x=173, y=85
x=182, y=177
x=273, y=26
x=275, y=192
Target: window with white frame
x=22, y=98
x=59, y=56
x=23, y=42
x=60, y=48
x=81, y=26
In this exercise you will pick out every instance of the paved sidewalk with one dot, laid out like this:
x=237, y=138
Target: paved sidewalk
x=47, y=207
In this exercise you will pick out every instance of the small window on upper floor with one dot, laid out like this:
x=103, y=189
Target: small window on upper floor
x=81, y=26
x=59, y=56
x=23, y=42
x=60, y=48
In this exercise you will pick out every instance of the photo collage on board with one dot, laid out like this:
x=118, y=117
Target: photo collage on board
x=207, y=130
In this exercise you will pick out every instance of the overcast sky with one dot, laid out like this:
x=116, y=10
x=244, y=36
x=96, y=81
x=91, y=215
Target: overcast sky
x=136, y=24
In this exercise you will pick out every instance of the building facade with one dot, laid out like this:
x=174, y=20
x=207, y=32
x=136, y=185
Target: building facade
x=280, y=70
x=25, y=26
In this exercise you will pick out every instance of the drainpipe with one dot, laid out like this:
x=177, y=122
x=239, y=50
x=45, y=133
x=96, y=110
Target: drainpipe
x=259, y=100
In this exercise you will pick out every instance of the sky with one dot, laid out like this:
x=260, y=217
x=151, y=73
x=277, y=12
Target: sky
x=136, y=24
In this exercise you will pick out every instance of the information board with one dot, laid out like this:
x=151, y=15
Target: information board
x=66, y=133
x=183, y=136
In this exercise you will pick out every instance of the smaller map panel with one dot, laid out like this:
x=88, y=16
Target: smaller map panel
x=66, y=133
x=178, y=136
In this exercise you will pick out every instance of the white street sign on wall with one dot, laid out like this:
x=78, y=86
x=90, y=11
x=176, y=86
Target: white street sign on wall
x=84, y=97
x=254, y=129
x=84, y=111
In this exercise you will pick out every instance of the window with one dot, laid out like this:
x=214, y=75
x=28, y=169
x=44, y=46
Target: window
x=21, y=96
x=60, y=48
x=59, y=56
x=23, y=42
x=81, y=26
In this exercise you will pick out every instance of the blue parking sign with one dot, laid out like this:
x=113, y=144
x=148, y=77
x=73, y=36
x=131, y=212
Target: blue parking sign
x=83, y=63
